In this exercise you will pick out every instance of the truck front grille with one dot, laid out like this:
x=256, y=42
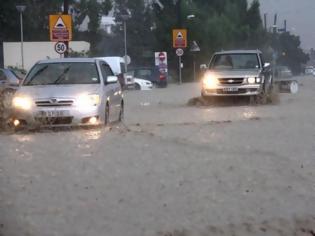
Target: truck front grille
x=231, y=80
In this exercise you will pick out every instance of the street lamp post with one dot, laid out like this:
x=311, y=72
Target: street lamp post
x=125, y=18
x=21, y=9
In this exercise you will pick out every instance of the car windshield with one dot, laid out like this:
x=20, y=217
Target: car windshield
x=63, y=73
x=235, y=61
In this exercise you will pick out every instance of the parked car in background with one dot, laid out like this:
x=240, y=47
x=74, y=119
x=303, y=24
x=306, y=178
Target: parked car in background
x=142, y=84
x=150, y=73
x=9, y=83
x=283, y=72
x=309, y=70
x=70, y=91
x=118, y=66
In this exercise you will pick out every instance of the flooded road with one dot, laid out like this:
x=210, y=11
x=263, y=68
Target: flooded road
x=169, y=170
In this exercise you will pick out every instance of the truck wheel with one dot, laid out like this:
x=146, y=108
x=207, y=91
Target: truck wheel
x=294, y=87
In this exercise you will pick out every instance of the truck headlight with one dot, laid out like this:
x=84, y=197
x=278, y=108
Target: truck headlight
x=251, y=80
x=210, y=81
x=23, y=103
x=86, y=100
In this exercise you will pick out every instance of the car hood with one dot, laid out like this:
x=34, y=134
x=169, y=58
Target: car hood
x=59, y=91
x=235, y=73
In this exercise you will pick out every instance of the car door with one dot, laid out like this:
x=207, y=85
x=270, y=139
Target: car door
x=112, y=91
x=3, y=80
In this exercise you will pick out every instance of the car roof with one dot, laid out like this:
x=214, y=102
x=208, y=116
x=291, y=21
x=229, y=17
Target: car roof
x=238, y=51
x=64, y=60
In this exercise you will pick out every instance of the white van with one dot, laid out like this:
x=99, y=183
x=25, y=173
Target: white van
x=117, y=65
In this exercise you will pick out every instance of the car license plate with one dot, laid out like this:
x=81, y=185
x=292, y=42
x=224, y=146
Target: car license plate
x=53, y=113
x=230, y=89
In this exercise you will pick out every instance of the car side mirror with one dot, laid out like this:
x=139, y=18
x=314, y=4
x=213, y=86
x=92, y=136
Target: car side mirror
x=111, y=79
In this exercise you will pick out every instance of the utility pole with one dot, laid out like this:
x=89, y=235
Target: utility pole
x=179, y=25
x=179, y=14
x=21, y=9
x=265, y=21
x=66, y=12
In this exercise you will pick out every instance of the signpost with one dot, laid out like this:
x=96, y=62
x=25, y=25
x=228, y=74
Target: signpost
x=60, y=47
x=180, y=42
x=60, y=29
x=161, y=62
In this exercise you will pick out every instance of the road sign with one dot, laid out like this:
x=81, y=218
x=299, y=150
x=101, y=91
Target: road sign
x=60, y=28
x=162, y=56
x=127, y=59
x=60, y=47
x=161, y=61
x=179, y=52
x=179, y=38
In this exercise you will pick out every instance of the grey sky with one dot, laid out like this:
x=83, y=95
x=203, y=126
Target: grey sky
x=300, y=15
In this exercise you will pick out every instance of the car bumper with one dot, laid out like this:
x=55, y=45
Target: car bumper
x=242, y=90
x=58, y=116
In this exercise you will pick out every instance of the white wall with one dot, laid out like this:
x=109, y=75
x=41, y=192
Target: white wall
x=35, y=51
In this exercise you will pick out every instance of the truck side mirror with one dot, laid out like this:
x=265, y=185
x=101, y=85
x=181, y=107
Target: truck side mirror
x=203, y=67
x=267, y=65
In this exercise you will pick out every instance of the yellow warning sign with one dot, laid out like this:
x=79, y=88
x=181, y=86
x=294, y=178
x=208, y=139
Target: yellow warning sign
x=179, y=38
x=60, y=28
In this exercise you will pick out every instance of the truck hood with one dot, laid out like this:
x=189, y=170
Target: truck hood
x=58, y=91
x=235, y=73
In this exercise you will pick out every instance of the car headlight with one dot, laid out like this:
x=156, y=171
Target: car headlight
x=85, y=100
x=210, y=81
x=251, y=80
x=23, y=103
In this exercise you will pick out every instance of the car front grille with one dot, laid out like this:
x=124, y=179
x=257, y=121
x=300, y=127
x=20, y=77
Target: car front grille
x=54, y=103
x=231, y=80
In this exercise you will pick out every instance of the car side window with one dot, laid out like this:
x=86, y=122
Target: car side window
x=106, y=71
x=2, y=76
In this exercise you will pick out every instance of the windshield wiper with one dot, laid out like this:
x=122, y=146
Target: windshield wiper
x=61, y=76
x=36, y=74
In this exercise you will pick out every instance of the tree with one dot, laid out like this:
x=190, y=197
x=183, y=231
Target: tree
x=94, y=10
x=289, y=52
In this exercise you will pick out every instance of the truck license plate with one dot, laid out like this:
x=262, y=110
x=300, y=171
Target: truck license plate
x=230, y=89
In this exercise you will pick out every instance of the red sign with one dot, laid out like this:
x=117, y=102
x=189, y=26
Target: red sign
x=60, y=34
x=162, y=56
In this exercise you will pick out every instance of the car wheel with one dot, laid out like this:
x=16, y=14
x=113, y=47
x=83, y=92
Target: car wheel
x=137, y=87
x=121, y=112
x=107, y=114
x=294, y=87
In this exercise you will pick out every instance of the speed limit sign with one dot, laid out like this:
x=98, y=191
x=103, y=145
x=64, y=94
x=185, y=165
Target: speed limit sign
x=60, y=47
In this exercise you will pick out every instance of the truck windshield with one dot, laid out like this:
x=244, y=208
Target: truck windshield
x=63, y=73
x=239, y=61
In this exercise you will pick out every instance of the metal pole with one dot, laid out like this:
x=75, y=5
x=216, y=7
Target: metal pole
x=66, y=12
x=22, y=51
x=125, y=37
x=194, y=67
x=180, y=69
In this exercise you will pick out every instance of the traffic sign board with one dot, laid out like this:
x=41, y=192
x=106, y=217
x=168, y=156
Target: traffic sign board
x=179, y=52
x=179, y=38
x=60, y=27
x=162, y=56
x=60, y=47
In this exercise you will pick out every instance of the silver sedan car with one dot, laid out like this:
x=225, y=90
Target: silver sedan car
x=66, y=92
